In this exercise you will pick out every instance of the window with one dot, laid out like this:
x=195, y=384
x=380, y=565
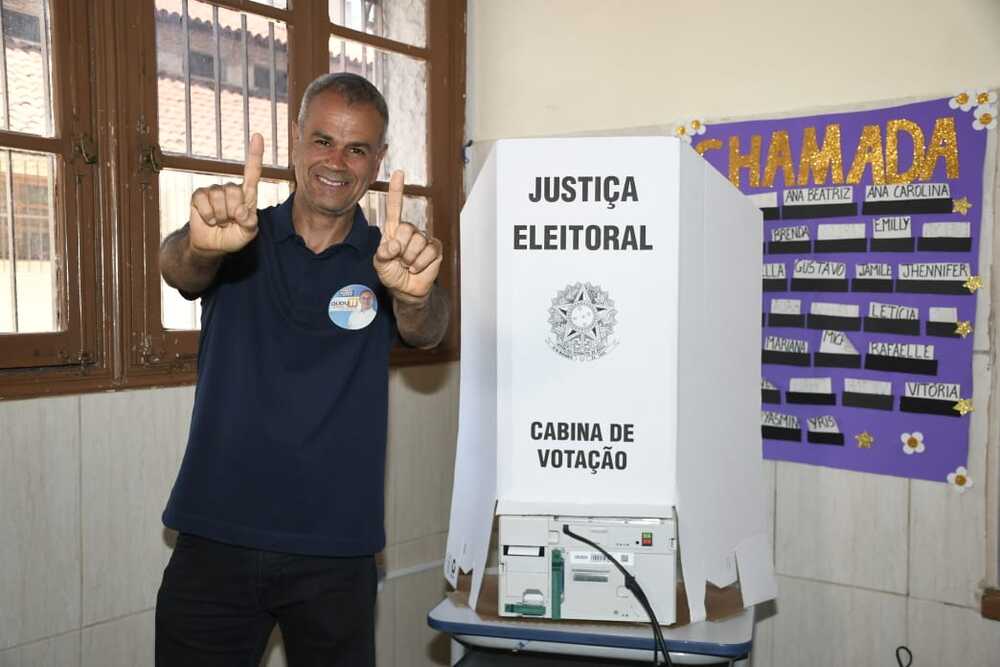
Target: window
x=19, y=25
x=262, y=82
x=202, y=65
x=43, y=313
x=88, y=190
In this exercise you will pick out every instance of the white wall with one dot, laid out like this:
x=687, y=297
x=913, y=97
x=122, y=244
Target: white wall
x=552, y=66
x=864, y=562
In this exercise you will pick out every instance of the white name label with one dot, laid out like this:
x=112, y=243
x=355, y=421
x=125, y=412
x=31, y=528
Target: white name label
x=902, y=350
x=836, y=342
x=782, y=234
x=786, y=306
x=809, y=196
x=891, y=311
x=778, y=344
x=811, y=385
x=840, y=231
x=778, y=420
x=873, y=271
x=823, y=424
x=773, y=271
x=892, y=227
x=941, y=391
x=907, y=191
x=810, y=268
x=934, y=271
x=857, y=386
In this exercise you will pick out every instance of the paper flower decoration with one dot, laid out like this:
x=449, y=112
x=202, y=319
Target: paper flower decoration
x=913, y=443
x=985, y=96
x=964, y=100
x=986, y=117
x=696, y=127
x=682, y=132
x=960, y=479
x=865, y=440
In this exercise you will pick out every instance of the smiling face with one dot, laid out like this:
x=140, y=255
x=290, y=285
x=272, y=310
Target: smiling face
x=336, y=155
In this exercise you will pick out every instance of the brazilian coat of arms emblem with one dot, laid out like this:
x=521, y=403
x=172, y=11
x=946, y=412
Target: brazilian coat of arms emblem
x=582, y=319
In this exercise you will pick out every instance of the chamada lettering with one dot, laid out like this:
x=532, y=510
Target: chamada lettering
x=609, y=190
x=899, y=153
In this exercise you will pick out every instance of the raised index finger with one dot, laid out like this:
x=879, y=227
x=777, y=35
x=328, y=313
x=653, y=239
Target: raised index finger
x=252, y=169
x=394, y=204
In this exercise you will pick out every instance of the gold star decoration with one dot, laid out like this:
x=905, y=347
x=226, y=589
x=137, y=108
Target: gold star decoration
x=865, y=440
x=963, y=407
x=973, y=283
x=961, y=205
x=963, y=328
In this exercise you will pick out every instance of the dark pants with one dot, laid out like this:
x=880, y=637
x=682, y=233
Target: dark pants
x=218, y=604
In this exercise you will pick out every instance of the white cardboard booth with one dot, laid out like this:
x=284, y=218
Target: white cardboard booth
x=610, y=376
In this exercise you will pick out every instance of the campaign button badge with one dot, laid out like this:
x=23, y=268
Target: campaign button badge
x=353, y=307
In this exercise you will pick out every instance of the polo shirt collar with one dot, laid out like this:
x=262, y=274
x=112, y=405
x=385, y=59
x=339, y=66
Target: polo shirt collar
x=284, y=230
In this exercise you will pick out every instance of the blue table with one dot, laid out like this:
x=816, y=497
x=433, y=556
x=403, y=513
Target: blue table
x=704, y=643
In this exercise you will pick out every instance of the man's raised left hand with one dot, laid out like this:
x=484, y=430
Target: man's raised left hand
x=407, y=260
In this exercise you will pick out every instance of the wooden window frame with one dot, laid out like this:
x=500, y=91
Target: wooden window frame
x=68, y=352
x=116, y=339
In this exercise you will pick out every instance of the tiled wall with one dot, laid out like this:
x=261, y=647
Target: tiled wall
x=83, y=481
x=867, y=563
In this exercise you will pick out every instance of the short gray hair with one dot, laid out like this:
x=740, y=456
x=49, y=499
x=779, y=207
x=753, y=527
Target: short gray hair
x=355, y=89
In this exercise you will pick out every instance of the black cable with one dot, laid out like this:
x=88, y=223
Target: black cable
x=633, y=587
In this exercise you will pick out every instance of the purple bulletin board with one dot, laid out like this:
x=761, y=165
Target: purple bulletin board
x=871, y=258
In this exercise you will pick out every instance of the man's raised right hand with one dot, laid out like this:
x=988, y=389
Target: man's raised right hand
x=224, y=217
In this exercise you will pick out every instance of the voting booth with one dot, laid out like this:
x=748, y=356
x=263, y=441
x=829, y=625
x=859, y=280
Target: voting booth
x=610, y=374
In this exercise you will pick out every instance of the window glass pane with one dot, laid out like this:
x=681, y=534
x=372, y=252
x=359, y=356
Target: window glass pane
x=403, y=82
x=399, y=20
x=175, y=207
x=28, y=266
x=237, y=64
x=27, y=68
x=415, y=210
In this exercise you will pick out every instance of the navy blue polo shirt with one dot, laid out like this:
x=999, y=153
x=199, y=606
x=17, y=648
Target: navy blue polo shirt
x=287, y=444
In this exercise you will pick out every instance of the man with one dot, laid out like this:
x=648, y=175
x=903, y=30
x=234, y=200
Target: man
x=279, y=499
x=363, y=313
